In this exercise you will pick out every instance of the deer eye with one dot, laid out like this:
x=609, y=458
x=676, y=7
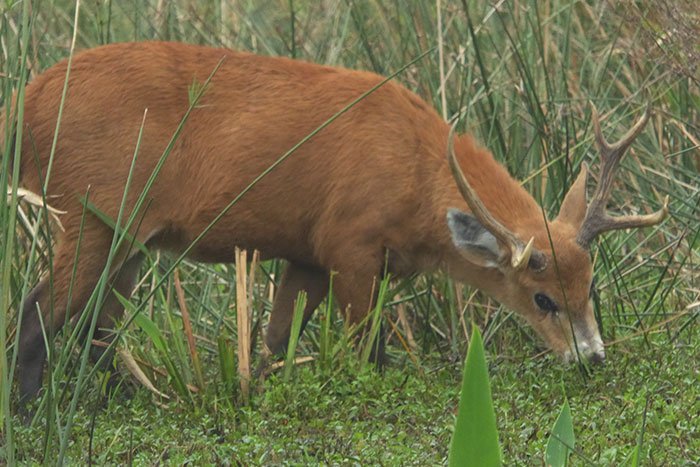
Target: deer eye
x=545, y=303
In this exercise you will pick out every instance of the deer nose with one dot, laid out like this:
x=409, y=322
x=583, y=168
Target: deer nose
x=595, y=355
x=597, y=358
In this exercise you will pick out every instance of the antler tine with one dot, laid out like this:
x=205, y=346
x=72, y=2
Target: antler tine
x=520, y=253
x=607, y=222
x=611, y=154
x=597, y=220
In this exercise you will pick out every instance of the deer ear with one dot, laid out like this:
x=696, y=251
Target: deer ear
x=573, y=209
x=473, y=241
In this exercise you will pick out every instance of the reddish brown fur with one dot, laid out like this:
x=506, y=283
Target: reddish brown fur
x=374, y=180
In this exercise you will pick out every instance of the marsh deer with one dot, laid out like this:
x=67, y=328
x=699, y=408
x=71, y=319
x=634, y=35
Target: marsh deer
x=386, y=185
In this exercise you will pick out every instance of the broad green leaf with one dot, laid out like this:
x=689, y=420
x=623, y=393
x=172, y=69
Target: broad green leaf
x=152, y=331
x=475, y=440
x=561, y=440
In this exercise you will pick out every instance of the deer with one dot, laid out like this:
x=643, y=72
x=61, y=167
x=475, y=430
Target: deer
x=386, y=188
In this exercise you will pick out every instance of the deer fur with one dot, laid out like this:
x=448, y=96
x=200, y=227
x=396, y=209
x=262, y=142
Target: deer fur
x=374, y=184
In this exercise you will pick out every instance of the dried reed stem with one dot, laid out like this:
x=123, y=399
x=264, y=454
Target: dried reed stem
x=187, y=324
x=243, y=322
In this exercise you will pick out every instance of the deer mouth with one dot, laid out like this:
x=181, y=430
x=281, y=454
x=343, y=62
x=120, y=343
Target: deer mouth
x=590, y=349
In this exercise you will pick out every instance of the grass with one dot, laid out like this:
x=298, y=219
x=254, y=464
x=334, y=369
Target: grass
x=520, y=76
x=404, y=417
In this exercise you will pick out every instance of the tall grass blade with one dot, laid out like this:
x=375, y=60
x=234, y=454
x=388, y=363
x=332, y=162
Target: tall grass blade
x=18, y=52
x=635, y=458
x=370, y=342
x=475, y=439
x=325, y=339
x=299, y=305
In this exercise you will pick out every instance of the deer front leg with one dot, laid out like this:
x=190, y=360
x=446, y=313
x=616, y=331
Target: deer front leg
x=45, y=309
x=295, y=278
x=356, y=292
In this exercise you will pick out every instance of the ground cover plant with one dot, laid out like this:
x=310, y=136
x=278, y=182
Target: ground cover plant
x=521, y=75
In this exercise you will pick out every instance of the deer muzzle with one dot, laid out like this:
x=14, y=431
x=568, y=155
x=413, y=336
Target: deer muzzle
x=587, y=345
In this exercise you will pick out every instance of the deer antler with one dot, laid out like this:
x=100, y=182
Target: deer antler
x=597, y=220
x=520, y=252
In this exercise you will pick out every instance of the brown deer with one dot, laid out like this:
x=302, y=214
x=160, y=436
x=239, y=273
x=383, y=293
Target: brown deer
x=386, y=186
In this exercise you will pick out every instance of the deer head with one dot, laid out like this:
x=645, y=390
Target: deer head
x=541, y=269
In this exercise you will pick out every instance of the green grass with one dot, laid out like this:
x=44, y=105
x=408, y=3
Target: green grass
x=406, y=416
x=520, y=77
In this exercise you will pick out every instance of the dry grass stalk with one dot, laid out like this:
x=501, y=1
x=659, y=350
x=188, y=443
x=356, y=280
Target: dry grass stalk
x=243, y=322
x=251, y=285
x=156, y=370
x=35, y=200
x=187, y=325
x=406, y=327
x=395, y=331
x=461, y=307
x=280, y=364
x=130, y=363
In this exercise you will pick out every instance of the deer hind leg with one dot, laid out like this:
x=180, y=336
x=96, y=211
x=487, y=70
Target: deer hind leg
x=49, y=304
x=295, y=278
